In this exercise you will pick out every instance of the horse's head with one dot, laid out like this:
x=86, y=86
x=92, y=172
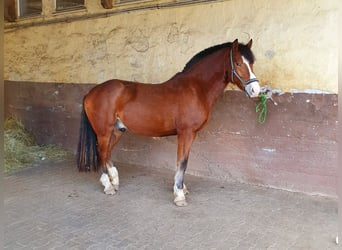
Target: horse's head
x=241, y=62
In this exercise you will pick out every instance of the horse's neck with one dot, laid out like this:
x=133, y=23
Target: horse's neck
x=210, y=75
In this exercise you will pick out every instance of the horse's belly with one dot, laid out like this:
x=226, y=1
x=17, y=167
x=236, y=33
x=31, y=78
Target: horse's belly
x=147, y=123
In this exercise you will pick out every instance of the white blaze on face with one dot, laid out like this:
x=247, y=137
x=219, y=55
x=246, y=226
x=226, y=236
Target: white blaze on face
x=254, y=88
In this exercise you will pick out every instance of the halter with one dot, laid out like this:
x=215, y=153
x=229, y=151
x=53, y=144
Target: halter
x=244, y=83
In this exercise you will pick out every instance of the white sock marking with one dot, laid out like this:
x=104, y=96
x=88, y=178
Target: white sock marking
x=105, y=181
x=114, y=175
x=178, y=193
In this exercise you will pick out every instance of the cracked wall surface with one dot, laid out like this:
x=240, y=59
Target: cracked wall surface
x=295, y=43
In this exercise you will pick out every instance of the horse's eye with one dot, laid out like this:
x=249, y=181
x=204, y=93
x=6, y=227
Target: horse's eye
x=238, y=64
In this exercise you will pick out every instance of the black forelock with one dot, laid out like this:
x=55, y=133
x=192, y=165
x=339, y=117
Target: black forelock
x=243, y=49
x=247, y=53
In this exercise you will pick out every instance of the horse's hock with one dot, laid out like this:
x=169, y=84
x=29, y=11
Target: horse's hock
x=294, y=150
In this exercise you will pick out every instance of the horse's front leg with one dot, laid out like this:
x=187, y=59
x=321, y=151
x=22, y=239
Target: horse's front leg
x=185, y=140
x=179, y=189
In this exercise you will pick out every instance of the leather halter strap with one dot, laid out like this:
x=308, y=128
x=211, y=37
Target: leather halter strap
x=244, y=83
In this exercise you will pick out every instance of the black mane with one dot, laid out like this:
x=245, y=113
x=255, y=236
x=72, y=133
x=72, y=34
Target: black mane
x=243, y=49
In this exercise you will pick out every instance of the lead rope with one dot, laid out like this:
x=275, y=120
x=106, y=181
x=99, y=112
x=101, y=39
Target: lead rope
x=261, y=107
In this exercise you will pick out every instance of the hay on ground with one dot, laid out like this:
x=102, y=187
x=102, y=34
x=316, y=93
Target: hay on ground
x=21, y=149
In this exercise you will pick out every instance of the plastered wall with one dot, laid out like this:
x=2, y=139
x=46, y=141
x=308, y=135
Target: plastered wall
x=295, y=43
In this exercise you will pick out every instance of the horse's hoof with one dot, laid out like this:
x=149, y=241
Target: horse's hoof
x=110, y=190
x=181, y=203
x=116, y=187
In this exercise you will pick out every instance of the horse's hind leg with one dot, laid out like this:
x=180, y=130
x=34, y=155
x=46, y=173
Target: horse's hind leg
x=112, y=170
x=110, y=175
x=103, y=143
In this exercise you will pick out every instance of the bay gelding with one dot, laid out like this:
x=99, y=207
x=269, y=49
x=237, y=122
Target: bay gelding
x=180, y=106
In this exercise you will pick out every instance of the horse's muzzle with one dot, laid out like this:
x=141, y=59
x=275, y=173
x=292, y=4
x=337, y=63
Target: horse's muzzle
x=252, y=89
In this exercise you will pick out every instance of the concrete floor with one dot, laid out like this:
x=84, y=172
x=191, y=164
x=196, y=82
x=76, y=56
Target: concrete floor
x=52, y=206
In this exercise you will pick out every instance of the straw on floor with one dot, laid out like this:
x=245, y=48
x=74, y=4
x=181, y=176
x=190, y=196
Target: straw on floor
x=21, y=149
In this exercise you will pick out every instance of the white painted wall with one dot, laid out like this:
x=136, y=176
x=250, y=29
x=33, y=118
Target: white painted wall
x=295, y=43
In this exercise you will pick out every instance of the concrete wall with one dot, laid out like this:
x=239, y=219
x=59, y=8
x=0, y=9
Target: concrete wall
x=295, y=42
x=296, y=149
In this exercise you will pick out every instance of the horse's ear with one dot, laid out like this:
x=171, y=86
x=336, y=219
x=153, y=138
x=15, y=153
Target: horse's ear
x=249, y=44
x=235, y=45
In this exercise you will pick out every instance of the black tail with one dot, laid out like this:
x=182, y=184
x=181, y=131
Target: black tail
x=87, y=157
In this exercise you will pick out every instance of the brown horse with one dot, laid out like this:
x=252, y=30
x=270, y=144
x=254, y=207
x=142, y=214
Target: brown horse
x=180, y=106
